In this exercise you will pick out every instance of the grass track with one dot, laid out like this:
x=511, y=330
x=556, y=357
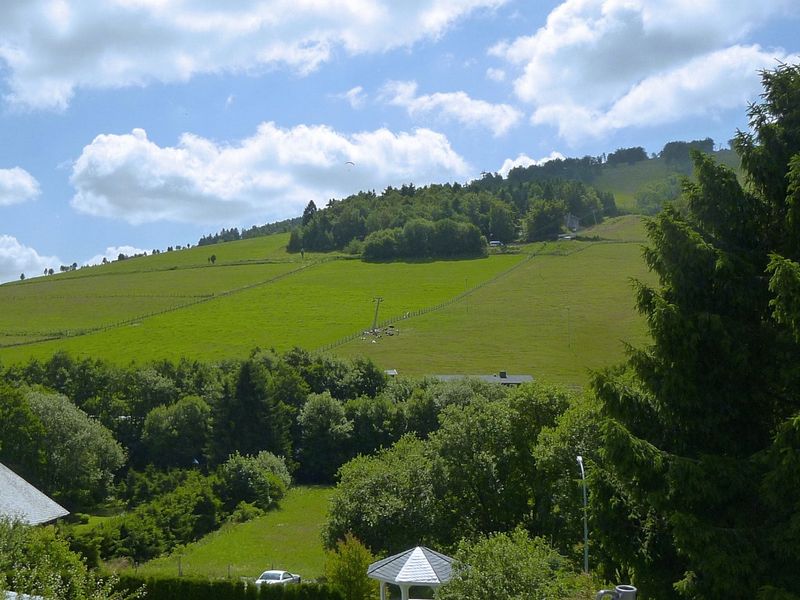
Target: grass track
x=287, y=538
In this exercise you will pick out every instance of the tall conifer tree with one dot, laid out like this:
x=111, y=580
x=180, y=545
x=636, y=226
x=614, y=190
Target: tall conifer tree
x=700, y=494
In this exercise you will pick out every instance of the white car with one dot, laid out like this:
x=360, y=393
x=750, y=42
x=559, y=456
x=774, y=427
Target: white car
x=277, y=578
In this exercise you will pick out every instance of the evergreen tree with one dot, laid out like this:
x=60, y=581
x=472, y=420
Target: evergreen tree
x=249, y=417
x=308, y=212
x=702, y=424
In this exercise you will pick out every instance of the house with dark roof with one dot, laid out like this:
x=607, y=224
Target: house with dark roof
x=22, y=501
x=501, y=378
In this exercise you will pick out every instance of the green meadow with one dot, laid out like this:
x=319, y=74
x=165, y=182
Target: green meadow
x=564, y=312
x=626, y=180
x=553, y=310
x=287, y=538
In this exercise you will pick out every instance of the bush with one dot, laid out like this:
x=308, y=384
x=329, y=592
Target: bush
x=346, y=569
x=35, y=560
x=382, y=244
x=244, y=512
x=354, y=247
x=261, y=479
x=181, y=516
x=530, y=569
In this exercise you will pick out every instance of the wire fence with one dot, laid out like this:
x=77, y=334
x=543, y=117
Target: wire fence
x=46, y=336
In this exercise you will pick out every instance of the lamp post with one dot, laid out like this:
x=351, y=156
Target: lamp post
x=585, y=522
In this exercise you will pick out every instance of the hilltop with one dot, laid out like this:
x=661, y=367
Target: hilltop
x=550, y=308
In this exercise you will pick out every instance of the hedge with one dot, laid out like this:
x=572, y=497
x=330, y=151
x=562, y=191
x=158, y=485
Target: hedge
x=195, y=588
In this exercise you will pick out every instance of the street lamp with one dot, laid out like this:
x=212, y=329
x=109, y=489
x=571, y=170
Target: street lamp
x=585, y=522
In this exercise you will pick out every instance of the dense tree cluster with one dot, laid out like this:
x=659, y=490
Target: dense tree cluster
x=233, y=234
x=530, y=202
x=482, y=460
x=450, y=220
x=205, y=444
x=627, y=156
x=680, y=152
x=698, y=494
x=170, y=415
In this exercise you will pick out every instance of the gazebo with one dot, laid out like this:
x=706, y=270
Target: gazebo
x=418, y=566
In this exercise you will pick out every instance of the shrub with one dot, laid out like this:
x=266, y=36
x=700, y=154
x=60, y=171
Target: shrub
x=346, y=569
x=260, y=480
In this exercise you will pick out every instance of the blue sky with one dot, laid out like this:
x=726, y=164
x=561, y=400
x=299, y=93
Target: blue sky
x=129, y=125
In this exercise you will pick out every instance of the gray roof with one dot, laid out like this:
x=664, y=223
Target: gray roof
x=16, y=596
x=20, y=500
x=417, y=566
x=502, y=378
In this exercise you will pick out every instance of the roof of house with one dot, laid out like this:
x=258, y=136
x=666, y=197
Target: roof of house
x=16, y=596
x=417, y=566
x=501, y=378
x=20, y=500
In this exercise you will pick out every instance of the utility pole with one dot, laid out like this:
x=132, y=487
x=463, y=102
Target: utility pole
x=585, y=520
x=378, y=300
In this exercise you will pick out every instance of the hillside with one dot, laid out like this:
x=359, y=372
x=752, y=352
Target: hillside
x=625, y=180
x=552, y=309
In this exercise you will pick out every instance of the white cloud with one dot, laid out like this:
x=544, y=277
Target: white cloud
x=495, y=74
x=523, y=160
x=452, y=106
x=17, y=185
x=112, y=253
x=355, y=97
x=268, y=176
x=52, y=47
x=601, y=65
x=16, y=258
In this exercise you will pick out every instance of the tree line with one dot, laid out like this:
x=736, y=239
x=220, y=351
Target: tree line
x=347, y=224
x=450, y=219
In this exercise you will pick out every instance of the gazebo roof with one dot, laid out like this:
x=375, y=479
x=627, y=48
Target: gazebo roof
x=20, y=500
x=417, y=566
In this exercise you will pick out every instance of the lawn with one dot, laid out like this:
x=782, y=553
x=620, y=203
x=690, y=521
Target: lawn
x=287, y=538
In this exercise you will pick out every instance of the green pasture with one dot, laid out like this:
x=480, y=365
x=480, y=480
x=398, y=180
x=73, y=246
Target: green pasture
x=310, y=308
x=553, y=310
x=287, y=538
x=49, y=305
x=556, y=317
x=268, y=248
x=625, y=180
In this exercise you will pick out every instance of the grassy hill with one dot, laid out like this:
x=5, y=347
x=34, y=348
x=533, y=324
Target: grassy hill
x=550, y=309
x=564, y=311
x=624, y=181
